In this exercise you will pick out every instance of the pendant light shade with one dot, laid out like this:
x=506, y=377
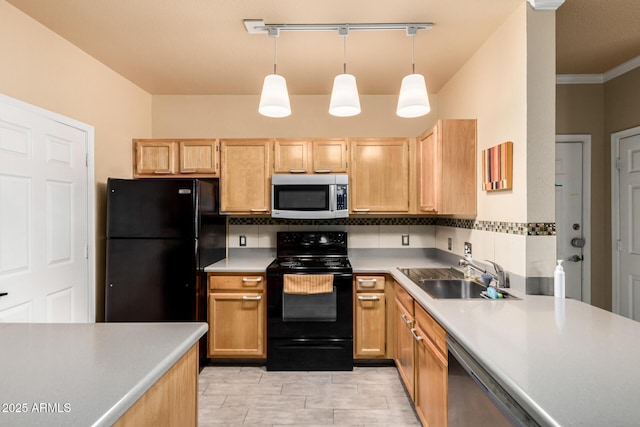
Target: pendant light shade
x=413, y=100
x=274, y=100
x=344, y=96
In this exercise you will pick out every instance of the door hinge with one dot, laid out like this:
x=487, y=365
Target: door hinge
x=86, y=252
x=619, y=245
x=86, y=159
x=618, y=163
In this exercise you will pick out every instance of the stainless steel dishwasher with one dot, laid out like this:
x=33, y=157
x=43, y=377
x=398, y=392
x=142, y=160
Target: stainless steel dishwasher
x=475, y=398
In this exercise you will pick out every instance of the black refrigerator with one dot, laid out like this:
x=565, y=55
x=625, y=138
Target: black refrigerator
x=161, y=233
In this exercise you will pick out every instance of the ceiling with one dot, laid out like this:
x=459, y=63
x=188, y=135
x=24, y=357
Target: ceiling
x=202, y=47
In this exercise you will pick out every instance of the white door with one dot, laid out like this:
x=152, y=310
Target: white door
x=44, y=267
x=628, y=246
x=571, y=227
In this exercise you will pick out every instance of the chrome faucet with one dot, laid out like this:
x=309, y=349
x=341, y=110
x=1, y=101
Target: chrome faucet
x=500, y=276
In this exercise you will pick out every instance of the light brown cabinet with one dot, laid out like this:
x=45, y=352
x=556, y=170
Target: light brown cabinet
x=310, y=156
x=431, y=370
x=370, y=321
x=405, y=343
x=446, y=167
x=245, y=176
x=379, y=175
x=236, y=316
x=189, y=157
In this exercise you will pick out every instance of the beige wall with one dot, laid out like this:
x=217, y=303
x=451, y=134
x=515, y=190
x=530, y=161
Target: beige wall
x=43, y=69
x=509, y=86
x=236, y=116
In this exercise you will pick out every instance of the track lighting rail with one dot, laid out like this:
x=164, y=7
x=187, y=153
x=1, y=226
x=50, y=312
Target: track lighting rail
x=257, y=26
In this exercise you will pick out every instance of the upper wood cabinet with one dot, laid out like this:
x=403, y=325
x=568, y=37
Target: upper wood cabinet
x=379, y=175
x=310, y=156
x=291, y=155
x=330, y=156
x=447, y=168
x=161, y=157
x=244, y=179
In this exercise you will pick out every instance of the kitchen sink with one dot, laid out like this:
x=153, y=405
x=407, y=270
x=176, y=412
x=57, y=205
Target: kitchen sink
x=447, y=283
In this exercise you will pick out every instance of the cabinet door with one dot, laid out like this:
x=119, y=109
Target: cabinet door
x=244, y=182
x=155, y=157
x=370, y=333
x=330, y=155
x=236, y=322
x=404, y=354
x=428, y=172
x=291, y=156
x=458, y=190
x=431, y=382
x=380, y=175
x=199, y=156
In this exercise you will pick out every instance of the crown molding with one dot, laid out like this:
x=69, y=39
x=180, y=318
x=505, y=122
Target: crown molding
x=546, y=4
x=577, y=79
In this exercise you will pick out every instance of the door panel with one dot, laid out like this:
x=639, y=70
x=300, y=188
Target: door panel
x=569, y=217
x=630, y=227
x=43, y=218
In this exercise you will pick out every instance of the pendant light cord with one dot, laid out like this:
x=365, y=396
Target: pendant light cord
x=413, y=60
x=275, y=54
x=344, y=54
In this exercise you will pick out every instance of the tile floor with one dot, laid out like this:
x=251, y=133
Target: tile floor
x=242, y=396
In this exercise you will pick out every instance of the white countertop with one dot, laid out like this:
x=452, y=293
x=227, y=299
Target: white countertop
x=569, y=363
x=84, y=374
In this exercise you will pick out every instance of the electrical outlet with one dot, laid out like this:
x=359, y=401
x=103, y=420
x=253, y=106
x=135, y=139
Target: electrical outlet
x=449, y=243
x=243, y=240
x=467, y=248
x=405, y=240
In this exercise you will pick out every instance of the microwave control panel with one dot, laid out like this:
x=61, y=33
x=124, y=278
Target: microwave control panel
x=341, y=197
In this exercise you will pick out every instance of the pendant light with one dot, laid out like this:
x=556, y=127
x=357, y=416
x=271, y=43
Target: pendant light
x=274, y=99
x=345, y=101
x=413, y=100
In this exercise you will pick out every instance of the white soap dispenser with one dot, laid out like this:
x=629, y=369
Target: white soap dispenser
x=558, y=281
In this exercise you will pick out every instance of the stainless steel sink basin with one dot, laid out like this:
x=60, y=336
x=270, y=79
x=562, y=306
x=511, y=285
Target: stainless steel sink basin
x=443, y=284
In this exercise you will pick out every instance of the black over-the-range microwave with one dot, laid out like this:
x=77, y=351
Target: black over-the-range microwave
x=320, y=196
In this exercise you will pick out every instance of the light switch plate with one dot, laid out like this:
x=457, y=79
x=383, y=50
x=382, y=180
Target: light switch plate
x=405, y=240
x=243, y=240
x=449, y=243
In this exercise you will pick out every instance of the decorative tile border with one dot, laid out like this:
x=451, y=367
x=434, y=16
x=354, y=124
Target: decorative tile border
x=521, y=228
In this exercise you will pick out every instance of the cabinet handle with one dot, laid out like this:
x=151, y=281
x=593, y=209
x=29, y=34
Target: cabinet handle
x=434, y=210
x=374, y=298
x=297, y=170
x=361, y=209
x=258, y=209
x=188, y=171
x=246, y=298
x=162, y=172
x=416, y=337
x=371, y=282
x=322, y=171
x=2, y=294
x=406, y=321
x=254, y=280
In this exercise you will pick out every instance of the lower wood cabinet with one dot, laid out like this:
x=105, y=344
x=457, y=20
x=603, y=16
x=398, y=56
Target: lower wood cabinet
x=171, y=401
x=237, y=316
x=405, y=343
x=370, y=320
x=431, y=371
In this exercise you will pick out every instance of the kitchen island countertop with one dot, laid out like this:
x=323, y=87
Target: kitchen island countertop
x=568, y=363
x=84, y=374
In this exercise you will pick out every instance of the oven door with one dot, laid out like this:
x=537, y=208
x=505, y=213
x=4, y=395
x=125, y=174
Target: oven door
x=328, y=315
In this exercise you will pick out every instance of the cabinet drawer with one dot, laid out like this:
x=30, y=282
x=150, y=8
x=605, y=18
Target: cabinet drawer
x=369, y=283
x=403, y=297
x=244, y=281
x=430, y=327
